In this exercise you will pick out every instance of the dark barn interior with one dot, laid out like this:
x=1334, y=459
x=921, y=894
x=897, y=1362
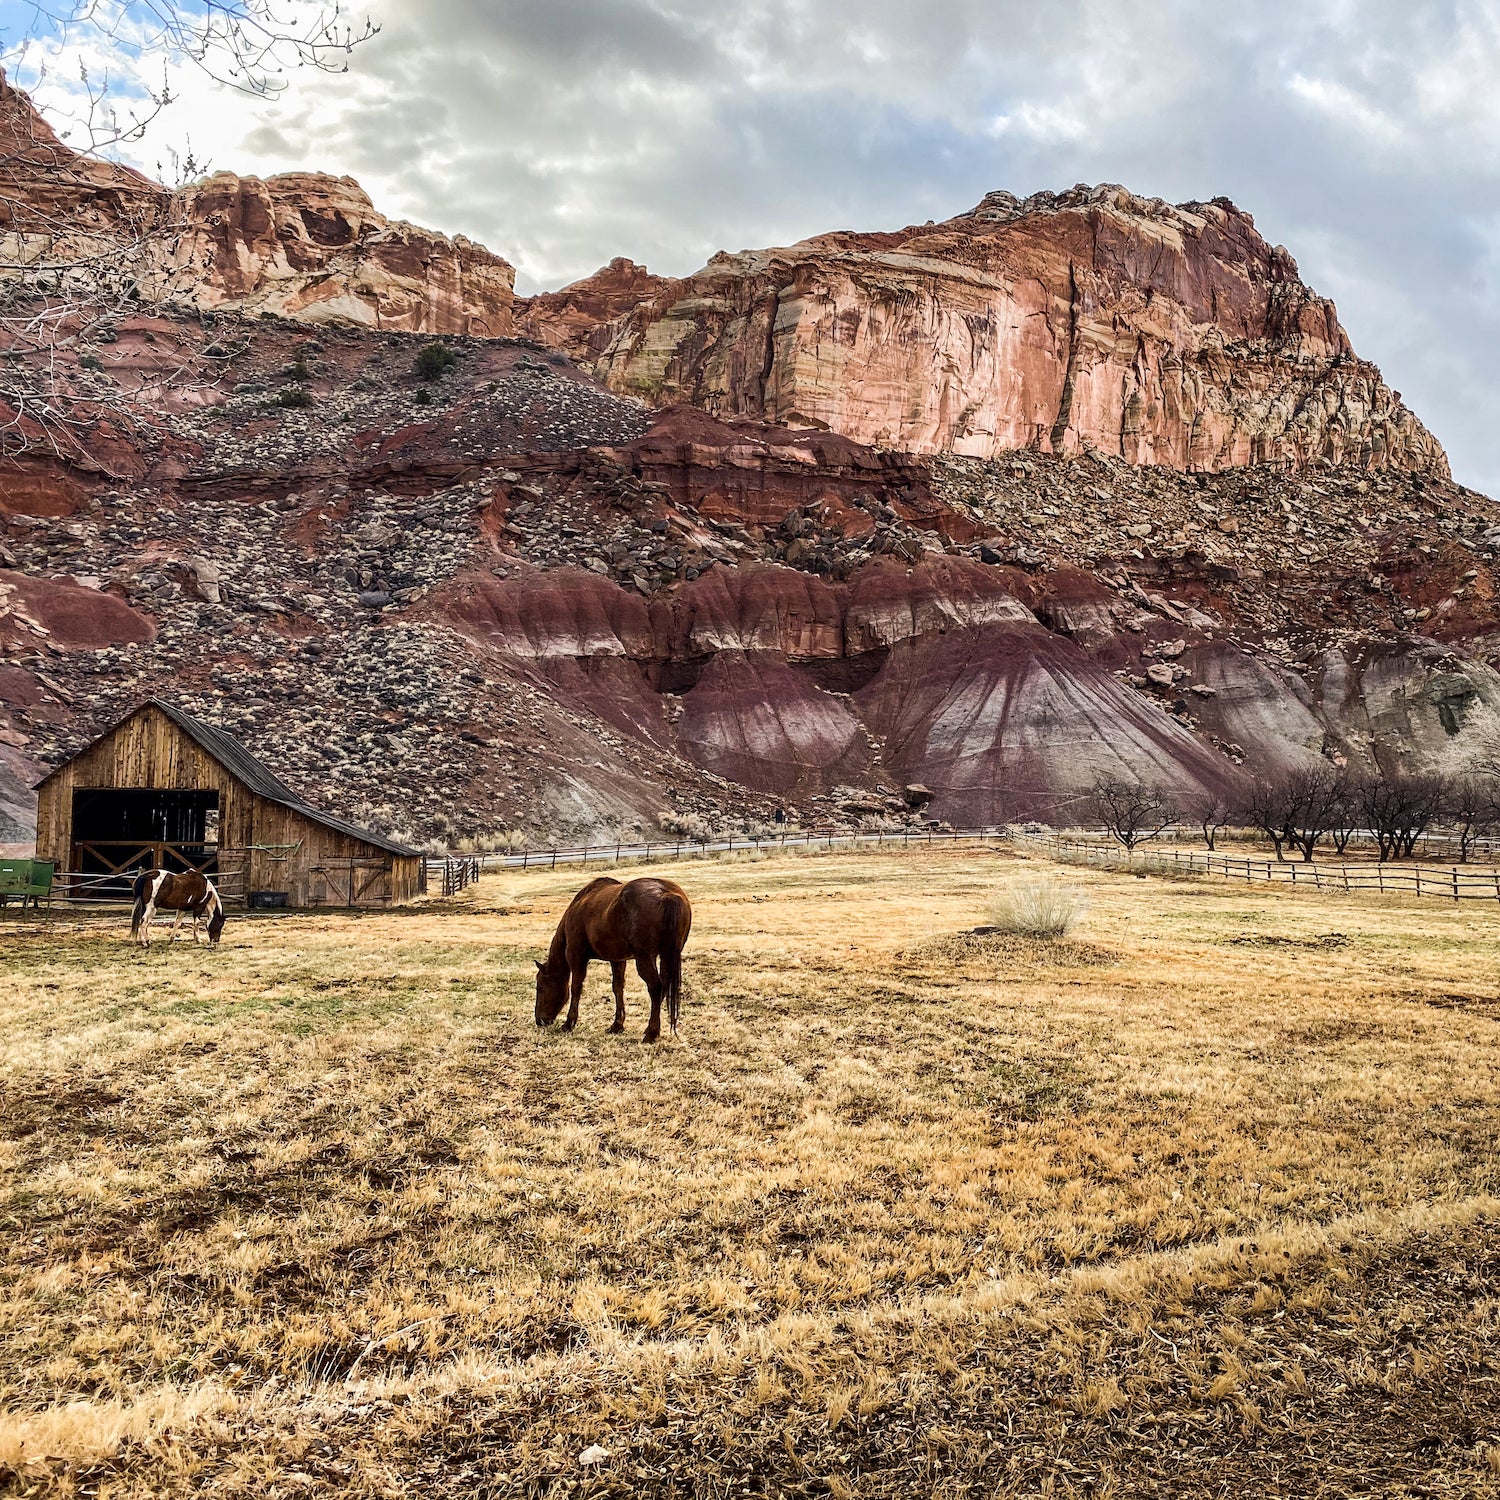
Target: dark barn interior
x=135, y=829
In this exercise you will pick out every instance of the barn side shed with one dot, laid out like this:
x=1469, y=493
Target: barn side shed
x=163, y=788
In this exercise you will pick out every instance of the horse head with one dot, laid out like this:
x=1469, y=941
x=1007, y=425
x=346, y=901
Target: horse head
x=551, y=993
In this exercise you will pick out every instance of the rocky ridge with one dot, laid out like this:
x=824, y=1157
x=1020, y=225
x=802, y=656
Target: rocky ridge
x=1092, y=319
x=301, y=244
x=502, y=598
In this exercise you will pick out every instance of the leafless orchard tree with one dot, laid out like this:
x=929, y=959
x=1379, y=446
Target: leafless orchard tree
x=86, y=241
x=1298, y=808
x=1473, y=811
x=1399, y=809
x=1209, y=812
x=1132, y=812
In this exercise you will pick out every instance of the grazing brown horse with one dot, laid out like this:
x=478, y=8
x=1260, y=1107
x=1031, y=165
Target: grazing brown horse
x=161, y=890
x=647, y=920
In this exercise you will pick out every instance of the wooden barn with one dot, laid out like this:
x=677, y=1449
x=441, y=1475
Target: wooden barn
x=163, y=788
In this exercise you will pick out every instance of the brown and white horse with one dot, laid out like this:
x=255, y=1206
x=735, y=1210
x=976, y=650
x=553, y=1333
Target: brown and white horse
x=161, y=890
x=647, y=920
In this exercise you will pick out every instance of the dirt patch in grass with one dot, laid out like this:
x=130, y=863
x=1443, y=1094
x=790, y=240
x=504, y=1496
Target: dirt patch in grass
x=909, y=1210
x=1001, y=950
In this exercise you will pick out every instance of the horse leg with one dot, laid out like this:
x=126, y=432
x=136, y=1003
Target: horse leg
x=645, y=966
x=618, y=971
x=147, y=917
x=178, y=923
x=576, y=975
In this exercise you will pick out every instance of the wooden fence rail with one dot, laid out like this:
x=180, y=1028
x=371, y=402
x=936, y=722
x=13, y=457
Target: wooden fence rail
x=657, y=850
x=1450, y=882
x=449, y=873
x=89, y=888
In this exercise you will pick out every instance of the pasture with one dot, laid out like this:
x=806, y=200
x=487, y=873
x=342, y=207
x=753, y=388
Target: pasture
x=1202, y=1201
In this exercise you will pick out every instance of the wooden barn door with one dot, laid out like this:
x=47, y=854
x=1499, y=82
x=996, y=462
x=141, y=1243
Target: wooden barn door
x=350, y=882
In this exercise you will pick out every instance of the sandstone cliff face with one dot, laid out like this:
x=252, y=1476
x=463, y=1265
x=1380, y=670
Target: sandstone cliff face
x=1087, y=320
x=302, y=245
x=312, y=247
x=580, y=319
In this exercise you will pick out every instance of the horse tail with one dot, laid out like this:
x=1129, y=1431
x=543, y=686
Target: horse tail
x=215, y=913
x=673, y=912
x=139, y=889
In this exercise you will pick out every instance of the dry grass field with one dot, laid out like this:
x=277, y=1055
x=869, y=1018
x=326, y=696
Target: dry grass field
x=1202, y=1201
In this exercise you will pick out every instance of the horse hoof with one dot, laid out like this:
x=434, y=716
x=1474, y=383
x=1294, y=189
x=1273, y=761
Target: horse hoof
x=569, y=1025
x=617, y=1028
x=652, y=1036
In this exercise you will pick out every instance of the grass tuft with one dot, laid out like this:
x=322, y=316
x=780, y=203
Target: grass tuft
x=1043, y=907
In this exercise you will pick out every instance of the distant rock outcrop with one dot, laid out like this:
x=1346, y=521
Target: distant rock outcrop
x=312, y=247
x=301, y=245
x=1091, y=319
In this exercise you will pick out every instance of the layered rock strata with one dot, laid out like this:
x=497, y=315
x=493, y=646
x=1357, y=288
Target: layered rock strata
x=299, y=245
x=1087, y=320
x=505, y=597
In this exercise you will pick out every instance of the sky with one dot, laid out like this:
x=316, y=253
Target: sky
x=1364, y=135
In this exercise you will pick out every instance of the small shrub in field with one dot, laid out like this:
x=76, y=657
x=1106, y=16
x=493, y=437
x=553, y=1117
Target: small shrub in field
x=294, y=395
x=1042, y=907
x=434, y=360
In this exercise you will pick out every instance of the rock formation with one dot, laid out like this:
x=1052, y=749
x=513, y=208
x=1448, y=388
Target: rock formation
x=312, y=247
x=504, y=597
x=300, y=245
x=933, y=525
x=1087, y=320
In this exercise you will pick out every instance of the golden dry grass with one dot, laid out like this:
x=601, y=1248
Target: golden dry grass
x=1204, y=1201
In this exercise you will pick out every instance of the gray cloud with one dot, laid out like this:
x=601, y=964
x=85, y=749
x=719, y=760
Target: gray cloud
x=1363, y=134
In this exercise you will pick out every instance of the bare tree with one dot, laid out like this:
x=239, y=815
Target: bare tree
x=1473, y=811
x=86, y=241
x=1131, y=811
x=1209, y=812
x=1298, y=808
x=1399, y=809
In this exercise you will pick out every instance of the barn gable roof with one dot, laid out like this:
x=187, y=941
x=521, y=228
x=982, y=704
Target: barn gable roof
x=256, y=775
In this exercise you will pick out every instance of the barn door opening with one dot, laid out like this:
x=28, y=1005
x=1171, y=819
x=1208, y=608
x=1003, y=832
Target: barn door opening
x=118, y=832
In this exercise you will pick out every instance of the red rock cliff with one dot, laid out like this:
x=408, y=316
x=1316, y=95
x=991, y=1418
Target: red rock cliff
x=303, y=244
x=1092, y=318
x=313, y=247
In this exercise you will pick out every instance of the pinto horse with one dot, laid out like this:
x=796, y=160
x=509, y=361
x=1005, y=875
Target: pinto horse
x=647, y=920
x=161, y=890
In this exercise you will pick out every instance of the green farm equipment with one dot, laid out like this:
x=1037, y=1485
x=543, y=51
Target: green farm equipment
x=26, y=880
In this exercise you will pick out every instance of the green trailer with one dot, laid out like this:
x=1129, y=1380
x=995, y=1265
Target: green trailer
x=26, y=880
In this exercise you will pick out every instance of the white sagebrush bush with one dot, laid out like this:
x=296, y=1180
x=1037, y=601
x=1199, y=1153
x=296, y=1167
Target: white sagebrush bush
x=1041, y=907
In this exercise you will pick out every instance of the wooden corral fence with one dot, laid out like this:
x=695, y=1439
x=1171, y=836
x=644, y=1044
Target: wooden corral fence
x=448, y=874
x=1451, y=882
x=91, y=888
x=583, y=854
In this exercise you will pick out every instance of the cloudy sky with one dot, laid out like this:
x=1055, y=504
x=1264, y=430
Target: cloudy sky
x=1362, y=134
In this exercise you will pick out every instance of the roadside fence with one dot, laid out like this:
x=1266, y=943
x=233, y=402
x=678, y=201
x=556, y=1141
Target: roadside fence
x=1451, y=882
x=534, y=859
